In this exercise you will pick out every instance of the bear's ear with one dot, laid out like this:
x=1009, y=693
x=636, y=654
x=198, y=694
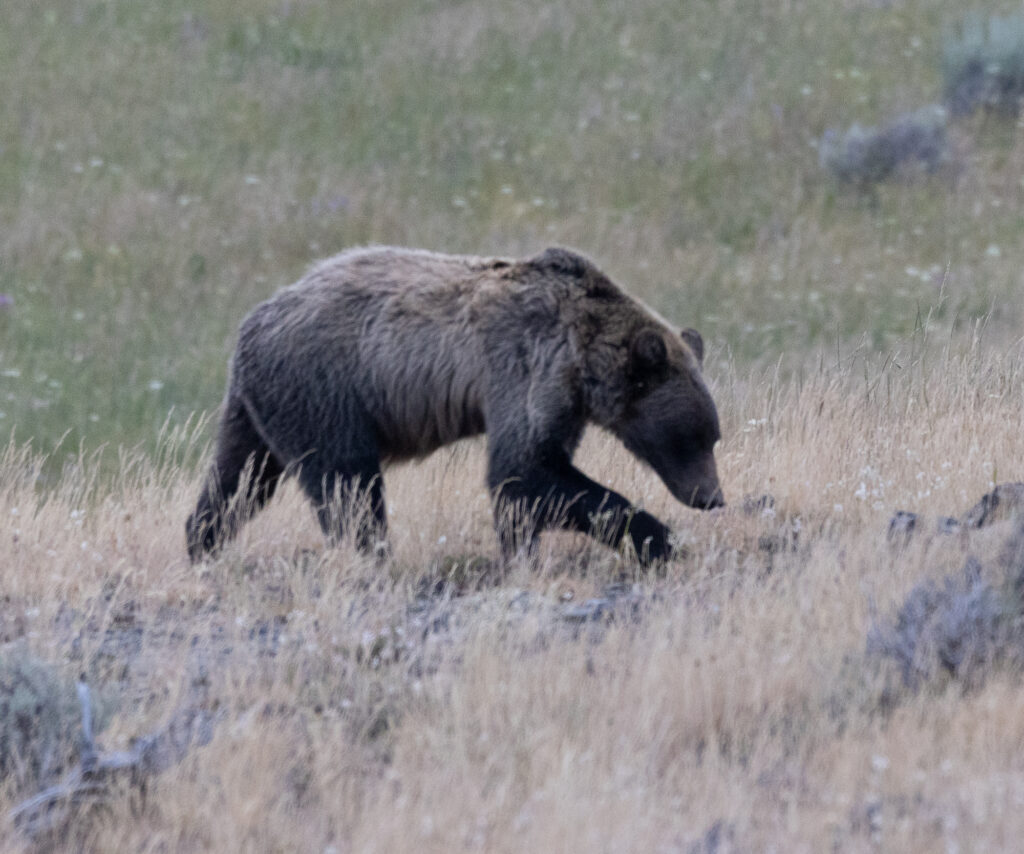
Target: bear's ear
x=648, y=352
x=696, y=343
x=564, y=262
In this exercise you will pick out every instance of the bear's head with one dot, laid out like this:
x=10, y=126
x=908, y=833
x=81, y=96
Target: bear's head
x=669, y=420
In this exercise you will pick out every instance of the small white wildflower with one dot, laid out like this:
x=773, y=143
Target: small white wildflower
x=806, y=90
x=459, y=202
x=993, y=251
x=252, y=180
x=442, y=540
x=879, y=763
x=155, y=385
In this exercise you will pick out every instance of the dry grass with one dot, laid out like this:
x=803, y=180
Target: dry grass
x=737, y=711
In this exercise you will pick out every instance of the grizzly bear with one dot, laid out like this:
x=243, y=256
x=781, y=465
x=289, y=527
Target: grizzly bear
x=385, y=354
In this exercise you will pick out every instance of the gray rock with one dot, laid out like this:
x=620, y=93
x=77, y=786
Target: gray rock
x=758, y=505
x=617, y=601
x=585, y=612
x=1006, y=501
x=901, y=526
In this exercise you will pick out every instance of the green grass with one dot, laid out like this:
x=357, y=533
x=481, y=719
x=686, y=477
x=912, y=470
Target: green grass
x=165, y=166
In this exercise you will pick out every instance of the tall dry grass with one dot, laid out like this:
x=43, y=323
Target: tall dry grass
x=365, y=708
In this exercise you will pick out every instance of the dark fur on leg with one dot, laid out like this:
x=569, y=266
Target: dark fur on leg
x=558, y=495
x=220, y=510
x=353, y=494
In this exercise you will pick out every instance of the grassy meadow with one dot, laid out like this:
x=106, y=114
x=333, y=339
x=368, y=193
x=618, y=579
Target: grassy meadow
x=165, y=166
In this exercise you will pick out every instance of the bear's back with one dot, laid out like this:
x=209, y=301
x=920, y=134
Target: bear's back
x=395, y=325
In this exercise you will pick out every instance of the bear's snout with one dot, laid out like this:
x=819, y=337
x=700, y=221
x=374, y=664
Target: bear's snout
x=704, y=498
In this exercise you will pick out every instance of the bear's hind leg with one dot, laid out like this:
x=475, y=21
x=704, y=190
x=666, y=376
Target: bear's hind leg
x=220, y=512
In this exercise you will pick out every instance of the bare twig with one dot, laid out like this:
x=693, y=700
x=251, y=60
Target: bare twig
x=91, y=781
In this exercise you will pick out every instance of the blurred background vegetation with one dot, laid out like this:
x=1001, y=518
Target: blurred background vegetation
x=164, y=166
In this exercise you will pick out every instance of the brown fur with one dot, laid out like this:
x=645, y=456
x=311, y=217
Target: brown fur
x=385, y=354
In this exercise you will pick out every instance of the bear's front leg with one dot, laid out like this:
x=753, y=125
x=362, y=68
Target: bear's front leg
x=552, y=493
